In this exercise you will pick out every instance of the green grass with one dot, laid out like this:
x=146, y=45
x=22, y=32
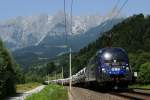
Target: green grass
x=26, y=87
x=50, y=92
x=147, y=86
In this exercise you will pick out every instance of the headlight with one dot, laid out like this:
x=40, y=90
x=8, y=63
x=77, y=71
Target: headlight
x=103, y=70
x=107, y=56
x=113, y=69
x=123, y=66
x=116, y=69
x=127, y=68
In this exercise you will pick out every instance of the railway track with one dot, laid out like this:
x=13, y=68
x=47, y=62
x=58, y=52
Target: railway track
x=134, y=94
x=78, y=93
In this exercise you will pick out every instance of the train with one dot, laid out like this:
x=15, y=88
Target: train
x=109, y=67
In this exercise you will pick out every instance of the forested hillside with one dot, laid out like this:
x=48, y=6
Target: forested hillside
x=9, y=73
x=133, y=35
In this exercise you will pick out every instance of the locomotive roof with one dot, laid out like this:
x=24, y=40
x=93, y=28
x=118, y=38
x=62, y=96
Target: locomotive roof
x=118, y=53
x=111, y=49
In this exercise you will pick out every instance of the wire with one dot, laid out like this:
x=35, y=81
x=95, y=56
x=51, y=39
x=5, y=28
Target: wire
x=65, y=22
x=109, y=15
x=115, y=7
x=71, y=15
x=121, y=8
x=71, y=21
x=119, y=11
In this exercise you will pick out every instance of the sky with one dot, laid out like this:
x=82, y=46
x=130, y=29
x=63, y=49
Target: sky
x=13, y=8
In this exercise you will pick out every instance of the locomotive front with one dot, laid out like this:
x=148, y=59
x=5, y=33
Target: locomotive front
x=114, y=65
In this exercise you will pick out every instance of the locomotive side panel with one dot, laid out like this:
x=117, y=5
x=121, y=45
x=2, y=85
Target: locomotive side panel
x=91, y=70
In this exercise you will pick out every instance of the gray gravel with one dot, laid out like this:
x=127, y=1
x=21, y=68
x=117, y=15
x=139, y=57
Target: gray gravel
x=85, y=94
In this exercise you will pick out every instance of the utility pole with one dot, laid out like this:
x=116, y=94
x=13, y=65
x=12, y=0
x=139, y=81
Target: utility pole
x=55, y=77
x=110, y=40
x=70, y=82
x=62, y=74
x=70, y=45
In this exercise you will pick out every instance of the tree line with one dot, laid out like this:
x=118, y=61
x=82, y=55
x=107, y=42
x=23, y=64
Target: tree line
x=133, y=34
x=10, y=73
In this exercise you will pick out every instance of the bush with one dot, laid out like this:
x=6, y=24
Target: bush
x=7, y=73
x=34, y=78
x=144, y=73
x=137, y=59
x=142, y=58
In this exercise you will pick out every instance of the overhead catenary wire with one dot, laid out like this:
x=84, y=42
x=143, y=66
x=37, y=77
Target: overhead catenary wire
x=71, y=22
x=110, y=14
x=117, y=13
x=121, y=8
x=65, y=24
x=115, y=7
x=71, y=16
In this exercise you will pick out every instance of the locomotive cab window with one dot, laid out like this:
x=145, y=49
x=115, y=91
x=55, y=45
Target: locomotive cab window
x=114, y=56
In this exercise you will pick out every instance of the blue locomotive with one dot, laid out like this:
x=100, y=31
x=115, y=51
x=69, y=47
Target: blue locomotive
x=109, y=67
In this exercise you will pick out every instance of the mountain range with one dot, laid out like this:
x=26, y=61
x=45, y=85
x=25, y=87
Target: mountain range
x=33, y=39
